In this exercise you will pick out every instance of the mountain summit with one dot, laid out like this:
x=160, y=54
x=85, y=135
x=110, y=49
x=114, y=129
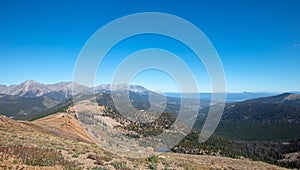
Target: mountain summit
x=28, y=88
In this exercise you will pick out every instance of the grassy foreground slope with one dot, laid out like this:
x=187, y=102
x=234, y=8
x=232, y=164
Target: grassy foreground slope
x=43, y=145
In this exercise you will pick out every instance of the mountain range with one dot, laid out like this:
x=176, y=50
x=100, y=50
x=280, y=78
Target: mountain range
x=63, y=90
x=26, y=100
x=264, y=118
x=260, y=128
x=60, y=91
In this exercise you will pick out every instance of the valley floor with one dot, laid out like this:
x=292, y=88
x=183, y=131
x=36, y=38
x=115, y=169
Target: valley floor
x=43, y=144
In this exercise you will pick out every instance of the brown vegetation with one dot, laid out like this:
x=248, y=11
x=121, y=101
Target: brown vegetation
x=53, y=143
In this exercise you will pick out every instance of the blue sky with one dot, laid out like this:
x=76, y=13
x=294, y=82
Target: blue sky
x=258, y=41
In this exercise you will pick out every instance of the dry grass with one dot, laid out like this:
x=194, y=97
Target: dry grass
x=24, y=145
x=35, y=156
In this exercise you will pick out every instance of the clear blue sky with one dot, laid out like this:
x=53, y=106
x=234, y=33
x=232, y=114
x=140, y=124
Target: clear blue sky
x=257, y=41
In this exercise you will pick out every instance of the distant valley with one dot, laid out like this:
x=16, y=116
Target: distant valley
x=230, y=97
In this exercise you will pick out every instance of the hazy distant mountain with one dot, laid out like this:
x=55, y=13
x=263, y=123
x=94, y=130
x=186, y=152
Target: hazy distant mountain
x=285, y=98
x=3, y=87
x=28, y=88
x=31, y=89
x=120, y=87
x=62, y=90
x=230, y=97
